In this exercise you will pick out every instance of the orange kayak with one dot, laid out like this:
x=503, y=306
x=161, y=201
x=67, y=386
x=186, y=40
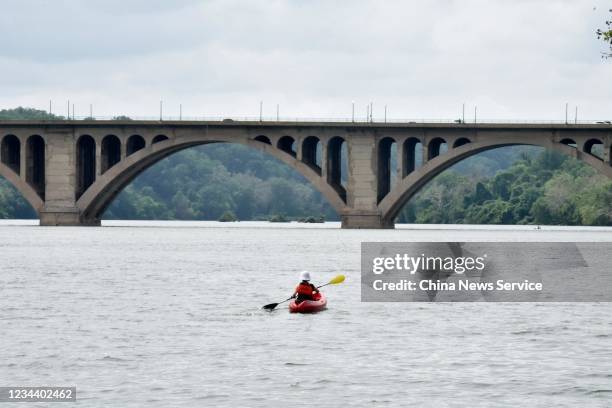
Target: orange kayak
x=309, y=306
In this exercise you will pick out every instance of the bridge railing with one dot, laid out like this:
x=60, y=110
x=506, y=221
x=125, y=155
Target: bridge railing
x=331, y=119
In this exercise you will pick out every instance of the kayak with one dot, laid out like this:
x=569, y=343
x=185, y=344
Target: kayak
x=309, y=306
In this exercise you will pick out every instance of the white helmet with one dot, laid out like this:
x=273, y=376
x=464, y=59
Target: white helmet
x=305, y=276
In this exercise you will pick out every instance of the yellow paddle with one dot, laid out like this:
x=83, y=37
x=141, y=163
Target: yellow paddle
x=336, y=280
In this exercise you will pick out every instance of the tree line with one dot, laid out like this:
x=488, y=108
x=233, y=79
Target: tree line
x=540, y=187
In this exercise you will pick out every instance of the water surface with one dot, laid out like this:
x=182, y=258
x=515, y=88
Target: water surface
x=162, y=314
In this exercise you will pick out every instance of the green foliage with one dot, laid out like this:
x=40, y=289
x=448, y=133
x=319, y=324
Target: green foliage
x=228, y=216
x=547, y=188
x=312, y=220
x=606, y=36
x=278, y=218
x=202, y=183
x=12, y=203
x=21, y=113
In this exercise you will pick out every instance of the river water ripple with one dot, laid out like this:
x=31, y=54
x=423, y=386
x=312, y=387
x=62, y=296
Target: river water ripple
x=167, y=314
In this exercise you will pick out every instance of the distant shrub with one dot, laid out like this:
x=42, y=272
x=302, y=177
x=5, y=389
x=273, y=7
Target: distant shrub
x=278, y=218
x=312, y=220
x=228, y=216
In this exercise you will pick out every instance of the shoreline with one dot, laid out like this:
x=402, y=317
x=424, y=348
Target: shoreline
x=326, y=225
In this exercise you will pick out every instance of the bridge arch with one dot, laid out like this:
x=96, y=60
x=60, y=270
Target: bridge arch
x=11, y=167
x=335, y=172
x=110, y=152
x=385, y=170
x=10, y=152
x=287, y=145
x=591, y=145
x=391, y=205
x=24, y=188
x=263, y=139
x=159, y=138
x=412, y=155
x=461, y=141
x=436, y=147
x=85, y=163
x=568, y=142
x=98, y=197
x=134, y=144
x=35, y=164
x=312, y=153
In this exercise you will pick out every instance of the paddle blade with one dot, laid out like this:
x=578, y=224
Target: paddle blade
x=270, y=306
x=336, y=280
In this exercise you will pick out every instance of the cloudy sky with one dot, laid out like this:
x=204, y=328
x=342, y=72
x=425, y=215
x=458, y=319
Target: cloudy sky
x=514, y=59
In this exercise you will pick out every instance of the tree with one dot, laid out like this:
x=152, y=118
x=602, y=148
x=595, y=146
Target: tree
x=606, y=36
x=21, y=113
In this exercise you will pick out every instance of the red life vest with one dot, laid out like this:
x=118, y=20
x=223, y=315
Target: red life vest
x=305, y=290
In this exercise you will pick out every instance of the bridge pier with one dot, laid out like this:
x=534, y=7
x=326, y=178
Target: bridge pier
x=65, y=218
x=365, y=220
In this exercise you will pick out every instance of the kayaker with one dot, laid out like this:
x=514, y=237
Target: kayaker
x=305, y=290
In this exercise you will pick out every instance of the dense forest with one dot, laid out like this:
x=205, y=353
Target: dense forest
x=541, y=187
x=203, y=183
x=510, y=185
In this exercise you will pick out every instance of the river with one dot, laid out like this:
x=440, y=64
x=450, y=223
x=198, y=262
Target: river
x=168, y=314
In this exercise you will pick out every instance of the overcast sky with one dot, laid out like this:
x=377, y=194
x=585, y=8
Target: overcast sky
x=514, y=59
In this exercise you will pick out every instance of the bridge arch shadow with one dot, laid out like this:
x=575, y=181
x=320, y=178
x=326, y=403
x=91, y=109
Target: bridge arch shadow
x=108, y=185
x=410, y=185
x=14, y=204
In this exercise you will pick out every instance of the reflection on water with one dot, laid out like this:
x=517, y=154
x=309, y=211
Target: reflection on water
x=169, y=315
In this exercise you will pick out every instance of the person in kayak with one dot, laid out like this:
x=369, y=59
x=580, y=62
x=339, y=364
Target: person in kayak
x=305, y=290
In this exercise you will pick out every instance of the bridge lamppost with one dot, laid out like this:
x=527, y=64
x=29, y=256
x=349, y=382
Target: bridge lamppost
x=576, y=116
x=352, y=115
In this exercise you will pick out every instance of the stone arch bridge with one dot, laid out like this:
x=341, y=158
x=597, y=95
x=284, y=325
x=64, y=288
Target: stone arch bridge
x=70, y=171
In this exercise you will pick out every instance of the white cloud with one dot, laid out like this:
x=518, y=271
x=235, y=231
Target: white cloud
x=515, y=60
